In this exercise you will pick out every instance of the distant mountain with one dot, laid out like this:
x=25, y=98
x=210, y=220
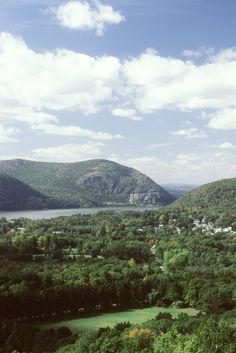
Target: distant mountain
x=88, y=184
x=218, y=196
x=178, y=190
x=15, y=195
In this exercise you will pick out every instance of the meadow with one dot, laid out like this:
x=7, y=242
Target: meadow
x=134, y=316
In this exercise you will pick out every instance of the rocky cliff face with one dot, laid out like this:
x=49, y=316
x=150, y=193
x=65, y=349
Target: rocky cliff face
x=149, y=199
x=90, y=183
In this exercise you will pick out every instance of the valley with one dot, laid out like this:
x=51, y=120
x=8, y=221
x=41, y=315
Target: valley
x=121, y=276
x=156, y=263
x=117, y=176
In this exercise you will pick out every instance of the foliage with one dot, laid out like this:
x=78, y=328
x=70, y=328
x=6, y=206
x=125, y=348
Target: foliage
x=215, y=199
x=16, y=195
x=108, y=261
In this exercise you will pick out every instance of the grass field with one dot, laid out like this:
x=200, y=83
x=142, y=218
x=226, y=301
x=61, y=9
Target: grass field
x=134, y=316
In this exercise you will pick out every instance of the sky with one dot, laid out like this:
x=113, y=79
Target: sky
x=148, y=84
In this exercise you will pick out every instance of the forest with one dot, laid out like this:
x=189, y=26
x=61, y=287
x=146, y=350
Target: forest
x=85, y=264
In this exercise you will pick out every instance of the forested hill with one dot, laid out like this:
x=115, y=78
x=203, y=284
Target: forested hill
x=15, y=195
x=219, y=196
x=87, y=184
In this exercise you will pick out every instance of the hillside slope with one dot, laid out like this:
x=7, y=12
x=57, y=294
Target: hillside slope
x=219, y=196
x=15, y=195
x=89, y=183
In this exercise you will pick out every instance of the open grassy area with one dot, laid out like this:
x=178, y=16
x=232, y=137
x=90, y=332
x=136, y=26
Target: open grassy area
x=134, y=316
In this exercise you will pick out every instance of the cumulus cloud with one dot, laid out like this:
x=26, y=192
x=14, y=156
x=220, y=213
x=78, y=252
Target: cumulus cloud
x=192, y=133
x=154, y=82
x=58, y=80
x=126, y=113
x=8, y=134
x=81, y=15
x=53, y=81
x=68, y=152
x=223, y=119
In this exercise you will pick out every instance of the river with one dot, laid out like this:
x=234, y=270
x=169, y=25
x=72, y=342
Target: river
x=47, y=214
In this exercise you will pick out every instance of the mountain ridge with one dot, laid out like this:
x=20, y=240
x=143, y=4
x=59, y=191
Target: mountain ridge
x=96, y=182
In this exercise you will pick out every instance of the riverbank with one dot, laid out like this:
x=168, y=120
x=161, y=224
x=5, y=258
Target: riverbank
x=48, y=214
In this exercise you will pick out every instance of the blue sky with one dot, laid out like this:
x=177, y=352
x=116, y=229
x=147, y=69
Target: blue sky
x=149, y=84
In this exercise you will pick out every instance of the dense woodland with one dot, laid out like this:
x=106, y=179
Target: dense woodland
x=16, y=195
x=110, y=261
x=215, y=199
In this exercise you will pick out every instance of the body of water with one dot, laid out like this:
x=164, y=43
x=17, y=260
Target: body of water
x=47, y=214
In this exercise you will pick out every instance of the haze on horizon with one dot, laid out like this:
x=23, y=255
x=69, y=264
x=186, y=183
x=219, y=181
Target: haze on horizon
x=150, y=85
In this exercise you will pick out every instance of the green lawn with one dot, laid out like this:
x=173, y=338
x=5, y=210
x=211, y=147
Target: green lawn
x=134, y=316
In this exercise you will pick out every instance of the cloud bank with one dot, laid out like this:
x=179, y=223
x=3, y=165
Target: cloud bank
x=68, y=152
x=69, y=81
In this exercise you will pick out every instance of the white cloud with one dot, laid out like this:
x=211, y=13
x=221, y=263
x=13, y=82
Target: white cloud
x=136, y=118
x=69, y=152
x=225, y=56
x=25, y=115
x=71, y=130
x=80, y=15
x=203, y=167
x=59, y=80
x=226, y=146
x=49, y=124
x=158, y=145
x=154, y=83
x=13, y=156
x=183, y=159
x=223, y=119
x=192, y=133
x=163, y=171
x=68, y=81
x=126, y=113
x=148, y=165
x=7, y=134
x=202, y=51
x=196, y=168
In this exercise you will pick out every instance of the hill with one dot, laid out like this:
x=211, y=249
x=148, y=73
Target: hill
x=88, y=184
x=15, y=195
x=216, y=197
